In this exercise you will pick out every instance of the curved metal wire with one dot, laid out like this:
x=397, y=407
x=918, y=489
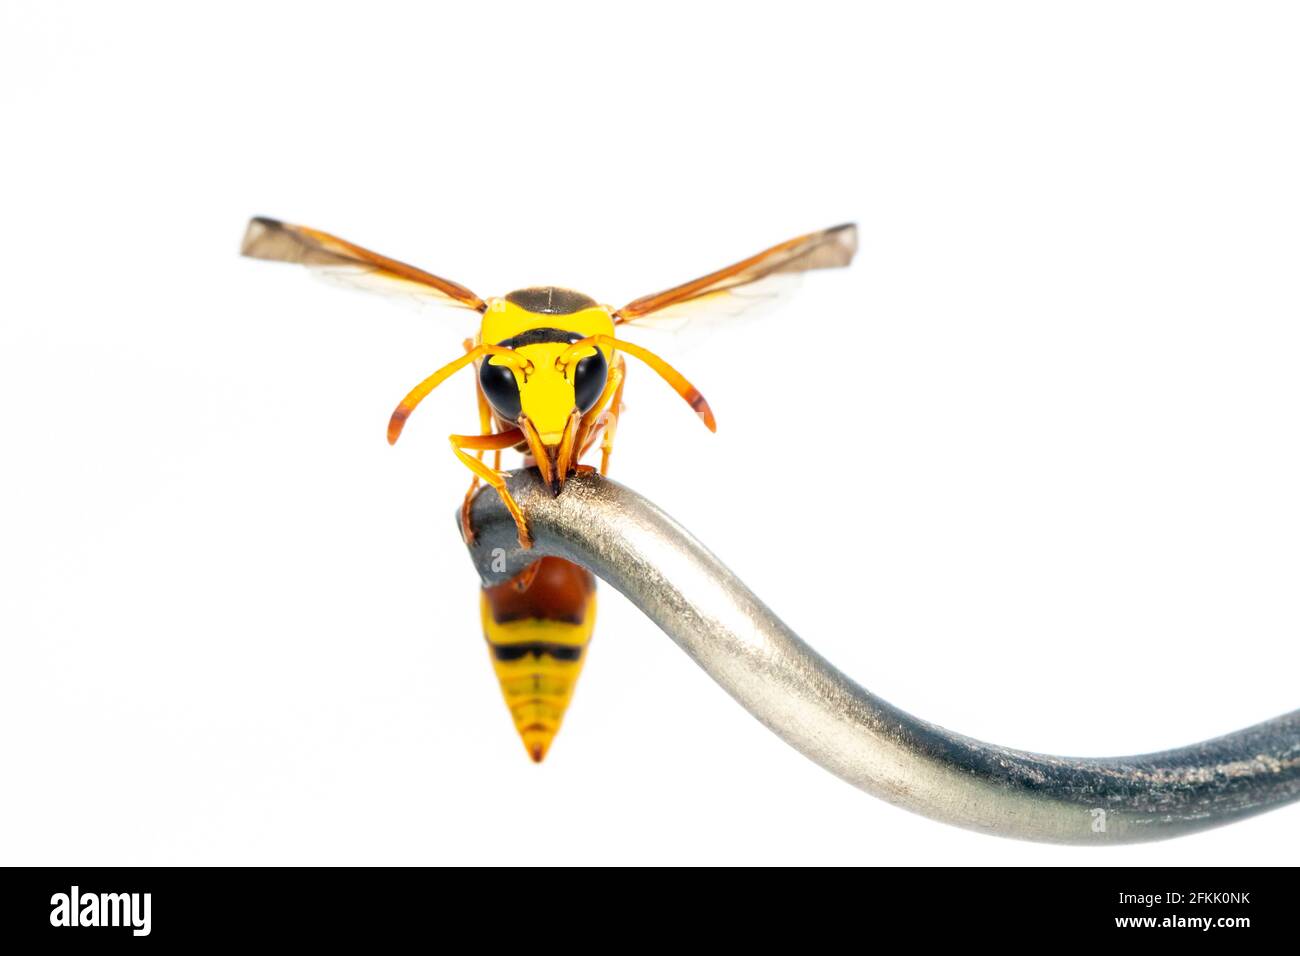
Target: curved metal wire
x=819, y=711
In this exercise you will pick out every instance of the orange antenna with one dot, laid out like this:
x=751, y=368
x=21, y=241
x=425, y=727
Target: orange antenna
x=417, y=394
x=676, y=379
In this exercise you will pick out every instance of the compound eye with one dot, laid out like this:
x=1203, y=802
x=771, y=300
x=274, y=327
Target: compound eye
x=501, y=389
x=589, y=380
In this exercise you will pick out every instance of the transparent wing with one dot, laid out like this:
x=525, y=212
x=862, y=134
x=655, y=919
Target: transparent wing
x=339, y=261
x=752, y=283
x=685, y=326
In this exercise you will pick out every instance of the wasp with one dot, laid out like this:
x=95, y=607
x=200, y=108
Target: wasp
x=550, y=370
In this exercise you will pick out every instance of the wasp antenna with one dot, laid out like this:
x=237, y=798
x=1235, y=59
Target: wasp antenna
x=417, y=394
x=689, y=393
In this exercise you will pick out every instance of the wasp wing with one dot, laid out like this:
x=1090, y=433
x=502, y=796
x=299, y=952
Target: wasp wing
x=341, y=261
x=742, y=286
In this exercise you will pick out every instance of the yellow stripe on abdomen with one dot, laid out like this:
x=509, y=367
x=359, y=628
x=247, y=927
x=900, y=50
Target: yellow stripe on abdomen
x=537, y=628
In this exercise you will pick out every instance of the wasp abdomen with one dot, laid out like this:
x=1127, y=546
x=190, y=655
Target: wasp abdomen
x=537, y=626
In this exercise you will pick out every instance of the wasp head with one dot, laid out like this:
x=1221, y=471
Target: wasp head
x=545, y=387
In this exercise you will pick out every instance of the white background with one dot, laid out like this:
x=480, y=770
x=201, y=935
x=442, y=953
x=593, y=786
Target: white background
x=1027, y=470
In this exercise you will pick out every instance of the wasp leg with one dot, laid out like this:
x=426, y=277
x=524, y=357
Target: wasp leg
x=492, y=476
x=485, y=428
x=604, y=422
x=611, y=423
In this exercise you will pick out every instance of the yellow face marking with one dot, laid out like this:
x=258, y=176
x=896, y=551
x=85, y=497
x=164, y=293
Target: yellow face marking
x=546, y=393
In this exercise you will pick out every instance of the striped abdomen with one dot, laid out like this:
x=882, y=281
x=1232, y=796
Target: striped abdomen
x=537, y=626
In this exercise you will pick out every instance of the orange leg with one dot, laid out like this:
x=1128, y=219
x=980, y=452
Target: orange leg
x=611, y=426
x=612, y=402
x=485, y=428
x=497, y=442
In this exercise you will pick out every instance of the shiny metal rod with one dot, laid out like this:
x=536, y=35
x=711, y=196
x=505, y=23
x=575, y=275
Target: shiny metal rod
x=823, y=714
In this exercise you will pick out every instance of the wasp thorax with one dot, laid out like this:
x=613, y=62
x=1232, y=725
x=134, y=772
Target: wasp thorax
x=550, y=300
